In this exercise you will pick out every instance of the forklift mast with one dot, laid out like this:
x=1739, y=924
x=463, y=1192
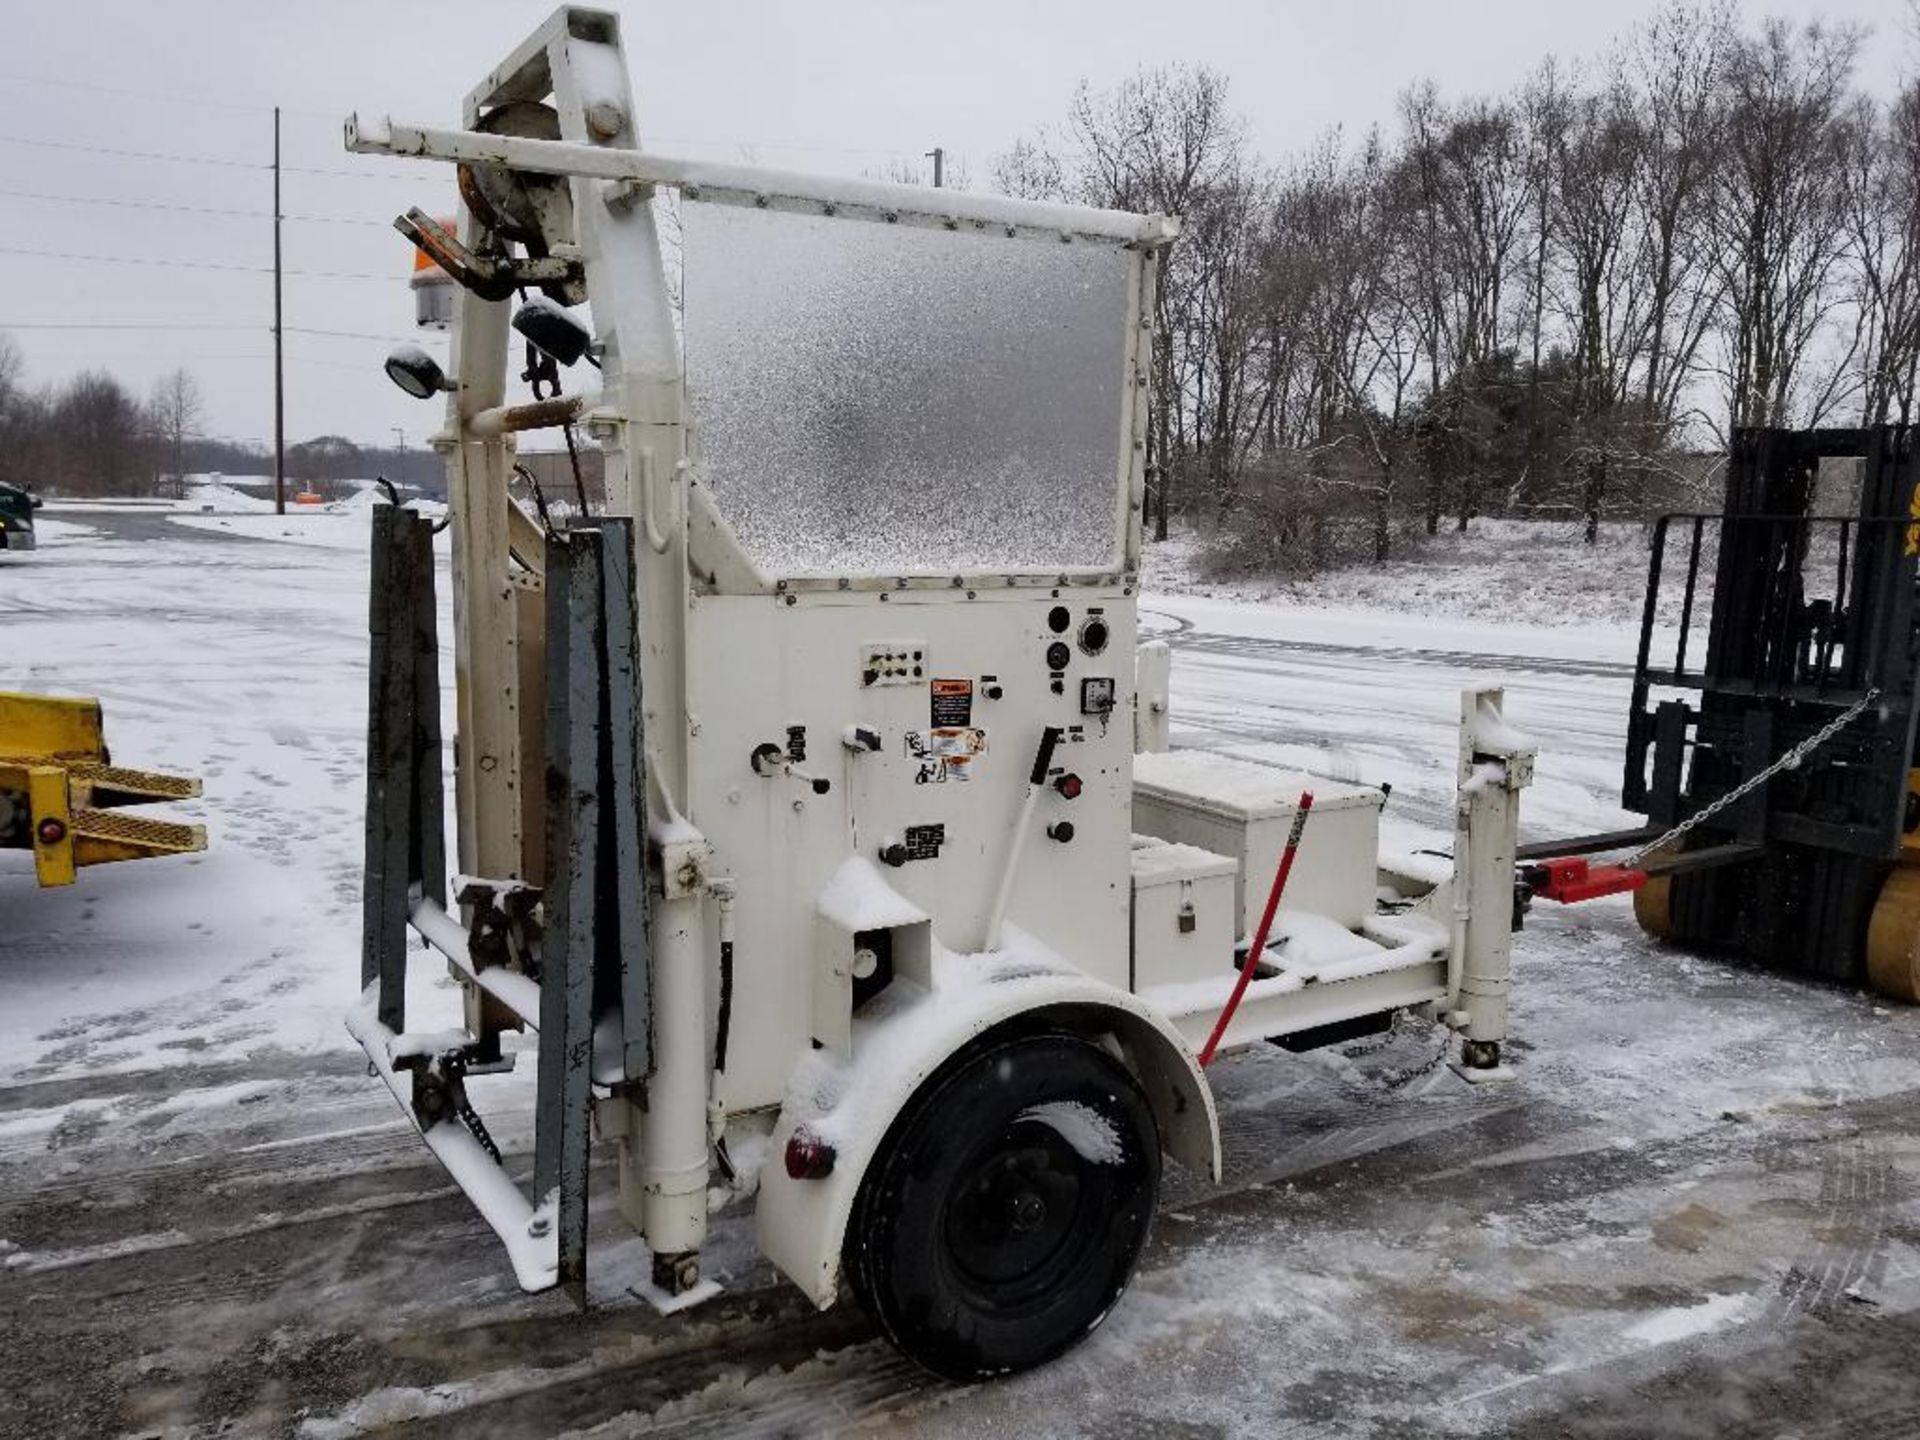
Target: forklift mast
x=1806, y=617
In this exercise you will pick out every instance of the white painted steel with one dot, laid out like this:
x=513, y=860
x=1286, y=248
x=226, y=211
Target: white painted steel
x=914, y=845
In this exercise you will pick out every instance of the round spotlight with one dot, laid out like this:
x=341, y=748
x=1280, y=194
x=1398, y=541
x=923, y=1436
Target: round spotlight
x=416, y=372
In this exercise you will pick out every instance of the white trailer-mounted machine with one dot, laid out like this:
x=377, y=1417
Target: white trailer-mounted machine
x=799, y=806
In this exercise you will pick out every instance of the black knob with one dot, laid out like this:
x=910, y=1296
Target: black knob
x=1058, y=655
x=894, y=854
x=1061, y=830
x=821, y=785
x=993, y=692
x=1058, y=619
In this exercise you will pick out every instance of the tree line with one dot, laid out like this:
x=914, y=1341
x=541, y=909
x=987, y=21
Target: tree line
x=92, y=436
x=1553, y=302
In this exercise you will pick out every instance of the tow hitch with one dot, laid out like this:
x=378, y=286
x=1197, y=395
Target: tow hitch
x=1570, y=879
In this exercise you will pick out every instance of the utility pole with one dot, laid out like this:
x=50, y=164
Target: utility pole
x=279, y=365
x=400, y=439
x=938, y=156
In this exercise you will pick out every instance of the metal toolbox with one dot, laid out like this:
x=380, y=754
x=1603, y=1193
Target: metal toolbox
x=1183, y=913
x=1243, y=810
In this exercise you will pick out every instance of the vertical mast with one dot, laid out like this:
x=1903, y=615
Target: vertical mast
x=279, y=368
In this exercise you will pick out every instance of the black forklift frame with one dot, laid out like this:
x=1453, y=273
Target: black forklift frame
x=1807, y=616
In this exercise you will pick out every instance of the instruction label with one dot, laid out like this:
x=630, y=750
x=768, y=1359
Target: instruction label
x=952, y=704
x=924, y=841
x=945, y=754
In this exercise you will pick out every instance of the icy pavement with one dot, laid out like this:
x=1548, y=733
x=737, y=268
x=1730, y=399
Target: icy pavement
x=1693, y=1212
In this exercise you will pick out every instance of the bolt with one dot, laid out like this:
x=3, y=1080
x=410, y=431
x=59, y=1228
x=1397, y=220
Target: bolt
x=605, y=120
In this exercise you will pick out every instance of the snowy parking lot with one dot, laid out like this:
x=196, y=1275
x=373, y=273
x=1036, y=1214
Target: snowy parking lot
x=1692, y=1212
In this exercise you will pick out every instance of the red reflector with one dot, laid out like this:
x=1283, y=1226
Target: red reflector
x=1068, y=785
x=808, y=1157
x=1571, y=879
x=51, y=831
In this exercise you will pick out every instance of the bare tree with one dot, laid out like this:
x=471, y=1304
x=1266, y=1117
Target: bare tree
x=1882, y=179
x=1161, y=141
x=177, y=412
x=1675, y=64
x=20, y=417
x=1544, y=106
x=1465, y=182
x=1779, y=216
x=1599, y=296
x=103, y=438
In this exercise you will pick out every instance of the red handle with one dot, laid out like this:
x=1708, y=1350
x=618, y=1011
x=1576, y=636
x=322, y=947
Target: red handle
x=1266, y=924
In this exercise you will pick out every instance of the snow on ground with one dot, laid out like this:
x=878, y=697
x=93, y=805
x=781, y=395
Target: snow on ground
x=334, y=527
x=1692, y=1212
x=239, y=663
x=1540, y=574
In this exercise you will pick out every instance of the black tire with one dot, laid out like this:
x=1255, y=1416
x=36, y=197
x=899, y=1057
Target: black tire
x=1007, y=1207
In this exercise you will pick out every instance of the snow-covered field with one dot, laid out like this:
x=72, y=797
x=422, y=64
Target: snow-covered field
x=1533, y=573
x=1693, y=1213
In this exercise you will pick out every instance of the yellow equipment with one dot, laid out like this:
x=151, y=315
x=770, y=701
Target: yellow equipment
x=60, y=794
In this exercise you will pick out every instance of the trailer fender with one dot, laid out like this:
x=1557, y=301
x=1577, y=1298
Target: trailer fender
x=851, y=1105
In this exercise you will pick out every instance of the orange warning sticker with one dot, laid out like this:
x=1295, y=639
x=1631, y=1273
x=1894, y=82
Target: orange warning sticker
x=952, y=702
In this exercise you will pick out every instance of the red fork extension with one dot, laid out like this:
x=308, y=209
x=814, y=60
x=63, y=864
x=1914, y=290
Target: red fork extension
x=1572, y=879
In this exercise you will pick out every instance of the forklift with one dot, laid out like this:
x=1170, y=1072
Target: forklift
x=63, y=798
x=1771, y=730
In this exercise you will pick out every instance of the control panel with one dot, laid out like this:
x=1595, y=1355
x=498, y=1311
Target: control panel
x=893, y=662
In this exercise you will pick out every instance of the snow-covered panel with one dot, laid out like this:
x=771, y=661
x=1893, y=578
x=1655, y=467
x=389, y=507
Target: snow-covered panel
x=859, y=898
x=1164, y=862
x=1241, y=788
x=875, y=399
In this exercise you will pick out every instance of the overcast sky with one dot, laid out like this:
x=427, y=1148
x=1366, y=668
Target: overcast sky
x=843, y=87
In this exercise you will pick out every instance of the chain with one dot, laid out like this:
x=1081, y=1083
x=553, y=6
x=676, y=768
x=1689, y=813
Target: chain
x=456, y=1073
x=1398, y=1029
x=1786, y=762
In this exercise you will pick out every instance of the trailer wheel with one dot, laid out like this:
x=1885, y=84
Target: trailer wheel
x=1005, y=1210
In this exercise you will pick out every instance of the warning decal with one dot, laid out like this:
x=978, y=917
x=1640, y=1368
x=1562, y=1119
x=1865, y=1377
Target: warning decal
x=952, y=703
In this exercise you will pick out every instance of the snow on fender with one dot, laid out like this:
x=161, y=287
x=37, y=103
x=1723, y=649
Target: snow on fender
x=901, y=1038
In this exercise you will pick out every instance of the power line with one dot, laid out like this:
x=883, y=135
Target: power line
x=423, y=336
x=364, y=334
x=195, y=265
x=172, y=99
x=378, y=173
x=330, y=115
x=123, y=325
x=192, y=209
x=130, y=154
x=370, y=173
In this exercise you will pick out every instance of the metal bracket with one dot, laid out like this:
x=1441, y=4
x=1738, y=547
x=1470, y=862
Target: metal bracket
x=491, y=277
x=405, y=826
